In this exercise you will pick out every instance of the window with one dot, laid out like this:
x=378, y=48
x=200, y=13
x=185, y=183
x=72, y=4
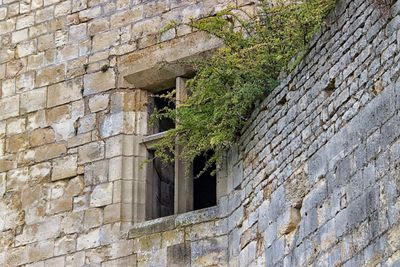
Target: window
x=170, y=188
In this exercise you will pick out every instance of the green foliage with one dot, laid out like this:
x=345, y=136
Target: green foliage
x=227, y=85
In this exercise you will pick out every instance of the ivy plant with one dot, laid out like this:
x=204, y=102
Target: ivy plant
x=257, y=48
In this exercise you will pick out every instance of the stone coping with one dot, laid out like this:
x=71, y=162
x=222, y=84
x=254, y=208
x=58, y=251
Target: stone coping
x=173, y=222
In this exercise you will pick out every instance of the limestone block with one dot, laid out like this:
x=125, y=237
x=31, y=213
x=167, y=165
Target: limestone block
x=98, y=25
x=89, y=240
x=41, y=136
x=64, y=92
x=127, y=17
x=99, y=82
x=90, y=13
x=80, y=140
x=64, y=167
x=112, y=213
x=58, y=114
x=40, y=251
x=75, y=259
x=125, y=261
x=9, y=107
x=38, y=232
x=45, y=42
x=62, y=9
x=33, y=100
x=25, y=49
x=16, y=126
x=87, y=123
x=8, y=87
x=77, y=32
x=101, y=195
x=93, y=218
x=18, y=178
x=112, y=124
x=91, y=152
x=50, y=75
x=36, y=120
x=78, y=5
x=72, y=222
x=98, y=102
x=64, y=245
x=114, y=146
x=289, y=221
x=17, y=143
x=41, y=171
x=58, y=261
x=50, y=151
x=96, y=173
x=105, y=40
x=19, y=36
x=44, y=14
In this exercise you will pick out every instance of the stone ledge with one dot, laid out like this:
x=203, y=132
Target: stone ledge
x=172, y=222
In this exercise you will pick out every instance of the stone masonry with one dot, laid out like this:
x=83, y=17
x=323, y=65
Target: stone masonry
x=314, y=180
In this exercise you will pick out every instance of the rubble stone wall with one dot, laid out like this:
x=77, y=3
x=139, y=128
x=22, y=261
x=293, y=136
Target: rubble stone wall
x=315, y=179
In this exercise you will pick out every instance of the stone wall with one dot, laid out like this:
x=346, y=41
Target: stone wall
x=315, y=179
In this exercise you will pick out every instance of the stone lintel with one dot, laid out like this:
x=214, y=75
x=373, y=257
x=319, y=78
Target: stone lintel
x=156, y=68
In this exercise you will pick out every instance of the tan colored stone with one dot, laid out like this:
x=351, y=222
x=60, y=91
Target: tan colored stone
x=50, y=75
x=101, y=195
x=16, y=126
x=9, y=107
x=91, y=152
x=105, y=40
x=89, y=240
x=127, y=17
x=65, y=245
x=17, y=143
x=42, y=136
x=49, y=152
x=112, y=213
x=33, y=100
x=72, y=223
x=99, y=102
x=98, y=25
x=58, y=114
x=45, y=42
x=64, y=168
x=93, y=218
x=64, y=92
x=25, y=49
x=99, y=82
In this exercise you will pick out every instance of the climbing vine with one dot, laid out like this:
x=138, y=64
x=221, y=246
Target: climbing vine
x=257, y=47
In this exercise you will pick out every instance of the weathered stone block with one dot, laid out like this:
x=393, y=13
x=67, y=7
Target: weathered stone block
x=64, y=92
x=49, y=152
x=41, y=136
x=99, y=82
x=9, y=107
x=91, y=152
x=101, y=195
x=64, y=168
x=89, y=240
x=98, y=102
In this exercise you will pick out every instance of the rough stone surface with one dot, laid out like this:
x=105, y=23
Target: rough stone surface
x=314, y=181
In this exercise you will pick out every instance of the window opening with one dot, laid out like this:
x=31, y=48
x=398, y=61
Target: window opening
x=171, y=188
x=162, y=180
x=161, y=102
x=204, y=183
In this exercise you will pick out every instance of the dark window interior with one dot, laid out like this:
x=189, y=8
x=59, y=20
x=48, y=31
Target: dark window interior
x=204, y=183
x=160, y=103
x=163, y=187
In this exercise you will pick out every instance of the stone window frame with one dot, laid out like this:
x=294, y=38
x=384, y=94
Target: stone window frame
x=156, y=68
x=183, y=181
